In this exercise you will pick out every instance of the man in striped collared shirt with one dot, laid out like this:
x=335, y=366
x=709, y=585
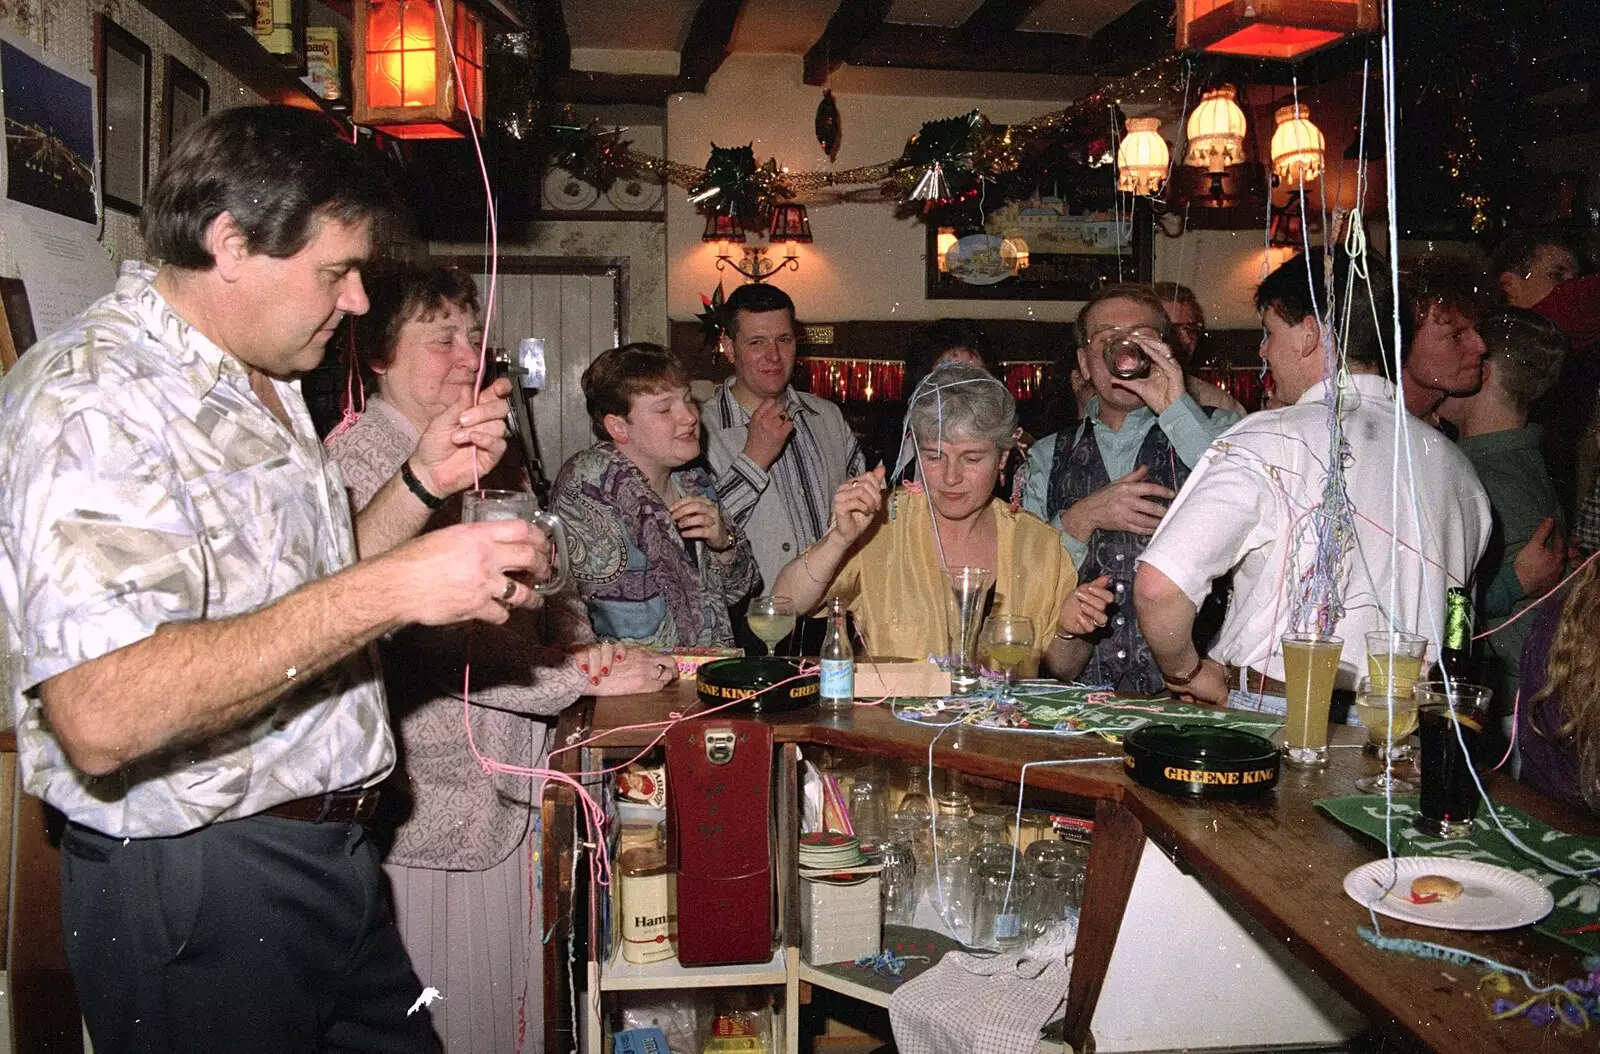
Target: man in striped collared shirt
x=778, y=454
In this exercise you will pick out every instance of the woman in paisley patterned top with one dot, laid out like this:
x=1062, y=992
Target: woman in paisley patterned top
x=459, y=863
x=653, y=556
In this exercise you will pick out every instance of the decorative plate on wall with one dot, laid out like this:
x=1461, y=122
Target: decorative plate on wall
x=636, y=195
x=565, y=192
x=981, y=259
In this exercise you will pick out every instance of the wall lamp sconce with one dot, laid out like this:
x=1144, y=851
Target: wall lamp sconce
x=756, y=265
x=789, y=227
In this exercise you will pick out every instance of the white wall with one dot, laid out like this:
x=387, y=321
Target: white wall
x=865, y=262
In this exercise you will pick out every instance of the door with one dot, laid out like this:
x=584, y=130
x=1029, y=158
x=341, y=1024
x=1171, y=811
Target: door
x=577, y=310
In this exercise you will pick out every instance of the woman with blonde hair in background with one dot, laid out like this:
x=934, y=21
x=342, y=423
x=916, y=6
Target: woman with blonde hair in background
x=1558, y=719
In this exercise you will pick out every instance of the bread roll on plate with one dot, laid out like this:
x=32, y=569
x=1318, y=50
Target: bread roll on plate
x=1424, y=886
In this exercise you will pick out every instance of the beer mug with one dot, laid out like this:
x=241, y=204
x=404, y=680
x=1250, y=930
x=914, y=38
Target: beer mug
x=486, y=506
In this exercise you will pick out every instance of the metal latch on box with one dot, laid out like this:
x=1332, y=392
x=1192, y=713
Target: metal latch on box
x=719, y=745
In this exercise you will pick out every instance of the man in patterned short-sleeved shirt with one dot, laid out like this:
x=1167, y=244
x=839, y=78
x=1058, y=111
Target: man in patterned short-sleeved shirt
x=187, y=626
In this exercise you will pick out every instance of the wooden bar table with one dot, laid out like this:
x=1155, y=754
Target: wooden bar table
x=1280, y=860
x=1283, y=861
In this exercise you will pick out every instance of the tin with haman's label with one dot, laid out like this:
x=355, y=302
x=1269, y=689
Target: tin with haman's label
x=648, y=922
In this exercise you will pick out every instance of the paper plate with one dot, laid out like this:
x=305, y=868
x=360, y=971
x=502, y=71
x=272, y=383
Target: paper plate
x=1493, y=898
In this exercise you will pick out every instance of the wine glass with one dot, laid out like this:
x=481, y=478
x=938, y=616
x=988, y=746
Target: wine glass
x=771, y=619
x=1373, y=704
x=1009, y=641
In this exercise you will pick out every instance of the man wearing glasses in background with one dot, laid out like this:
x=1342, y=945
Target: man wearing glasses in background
x=1105, y=484
x=1189, y=326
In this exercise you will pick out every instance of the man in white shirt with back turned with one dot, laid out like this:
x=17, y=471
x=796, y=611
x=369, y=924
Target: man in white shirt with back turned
x=1251, y=507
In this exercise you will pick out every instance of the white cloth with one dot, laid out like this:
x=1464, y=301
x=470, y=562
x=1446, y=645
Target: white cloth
x=143, y=482
x=1244, y=509
x=969, y=1004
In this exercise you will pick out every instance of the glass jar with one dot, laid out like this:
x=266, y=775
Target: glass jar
x=953, y=803
x=1080, y=863
x=1048, y=849
x=1057, y=891
x=989, y=840
x=1004, y=905
x=898, y=880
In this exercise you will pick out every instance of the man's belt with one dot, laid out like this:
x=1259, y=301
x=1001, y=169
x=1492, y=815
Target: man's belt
x=1249, y=680
x=1255, y=682
x=337, y=807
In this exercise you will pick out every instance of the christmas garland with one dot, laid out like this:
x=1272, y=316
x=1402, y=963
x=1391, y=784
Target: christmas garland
x=945, y=163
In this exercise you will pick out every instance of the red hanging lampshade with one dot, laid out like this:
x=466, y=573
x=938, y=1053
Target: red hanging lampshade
x=789, y=224
x=722, y=227
x=1272, y=29
x=404, y=83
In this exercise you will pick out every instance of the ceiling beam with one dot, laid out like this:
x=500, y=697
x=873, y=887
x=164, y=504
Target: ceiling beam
x=996, y=17
x=850, y=25
x=706, y=44
x=933, y=47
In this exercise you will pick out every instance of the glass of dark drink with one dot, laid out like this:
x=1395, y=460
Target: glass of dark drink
x=1451, y=718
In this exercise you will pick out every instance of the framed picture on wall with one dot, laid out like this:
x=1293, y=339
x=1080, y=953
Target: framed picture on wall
x=124, y=72
x=1034, y=249
x=185, y=98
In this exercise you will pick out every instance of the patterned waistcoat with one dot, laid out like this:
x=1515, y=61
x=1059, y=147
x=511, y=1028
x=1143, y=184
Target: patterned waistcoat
x=1121, y=657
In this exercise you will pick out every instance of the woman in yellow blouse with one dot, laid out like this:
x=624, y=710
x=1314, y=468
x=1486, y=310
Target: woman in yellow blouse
x=885, y=560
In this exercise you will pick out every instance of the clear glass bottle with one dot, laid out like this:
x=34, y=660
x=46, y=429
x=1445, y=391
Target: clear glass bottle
x=898, y=880
x=838, y=662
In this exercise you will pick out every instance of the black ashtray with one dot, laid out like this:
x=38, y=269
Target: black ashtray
x=751, y=682
x=1192, y=761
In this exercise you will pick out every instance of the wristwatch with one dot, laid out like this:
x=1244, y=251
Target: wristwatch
x=1186, y=678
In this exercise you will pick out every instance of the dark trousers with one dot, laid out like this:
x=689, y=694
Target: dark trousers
x=262, y=934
